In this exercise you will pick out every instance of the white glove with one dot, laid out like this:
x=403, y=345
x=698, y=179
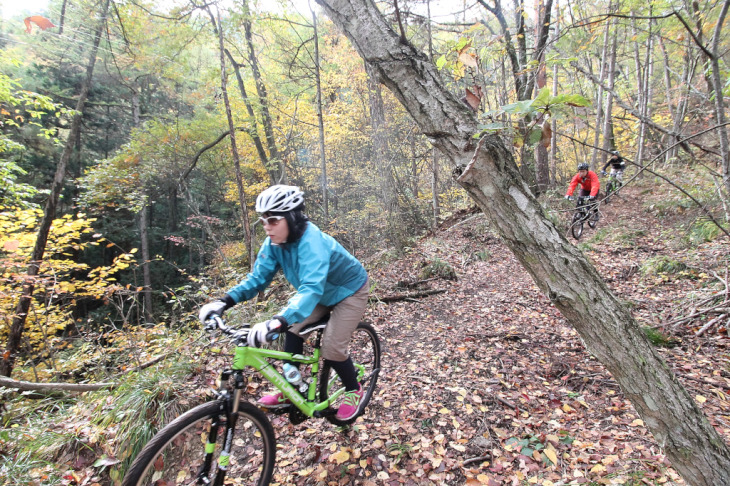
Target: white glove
x=264, y=332
x=212, y=308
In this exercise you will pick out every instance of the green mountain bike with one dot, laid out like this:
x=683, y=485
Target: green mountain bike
x=612, y=186
x=232, y=440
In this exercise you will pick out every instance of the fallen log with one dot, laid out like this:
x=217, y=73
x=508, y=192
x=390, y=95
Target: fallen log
x=410, y=295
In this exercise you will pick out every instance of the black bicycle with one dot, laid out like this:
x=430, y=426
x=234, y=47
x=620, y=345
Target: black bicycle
x=586, y=211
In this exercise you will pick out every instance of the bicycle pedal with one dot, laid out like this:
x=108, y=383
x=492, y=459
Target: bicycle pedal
x=327, y=412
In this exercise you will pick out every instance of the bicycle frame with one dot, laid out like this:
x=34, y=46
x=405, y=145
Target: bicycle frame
x=257, y=358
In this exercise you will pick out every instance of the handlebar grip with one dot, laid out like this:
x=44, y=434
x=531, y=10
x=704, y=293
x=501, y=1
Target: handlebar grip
x=273, y=334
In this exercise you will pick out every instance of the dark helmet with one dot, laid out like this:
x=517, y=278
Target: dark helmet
x=583, y=166
x=614, y=152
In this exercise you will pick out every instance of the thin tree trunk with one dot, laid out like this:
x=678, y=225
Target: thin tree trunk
x=542, y=167
x=146, y=273
x=667, y=141
x=720, y=98
x=608, y=142
x=62, y=19
x=554, y=135
x=320, y=122
x=49, y=214
x=143, y=223
x=599, y=97
x=434, y=153
x=248, y=240
x=490, y=175
x=381, y=156
x=274, y=156
x=252, y=128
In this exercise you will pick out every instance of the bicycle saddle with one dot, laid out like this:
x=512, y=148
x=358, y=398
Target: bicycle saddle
x=320, y=324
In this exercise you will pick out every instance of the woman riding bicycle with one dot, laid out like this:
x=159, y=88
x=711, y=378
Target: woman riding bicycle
x=588, y=181
x=328, y=280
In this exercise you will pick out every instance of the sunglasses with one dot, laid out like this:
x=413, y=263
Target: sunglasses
x=271, y=220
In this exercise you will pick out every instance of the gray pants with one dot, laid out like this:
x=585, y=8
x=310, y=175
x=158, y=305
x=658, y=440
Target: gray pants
x=344, y=318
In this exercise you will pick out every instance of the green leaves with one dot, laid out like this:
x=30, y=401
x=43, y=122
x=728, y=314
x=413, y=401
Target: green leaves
x=536, y=113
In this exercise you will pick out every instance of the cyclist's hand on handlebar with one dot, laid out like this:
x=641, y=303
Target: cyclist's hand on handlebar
x=591, y=198
x=265, y=332
x=603, y=172
x=569, y=198
x=210, y=309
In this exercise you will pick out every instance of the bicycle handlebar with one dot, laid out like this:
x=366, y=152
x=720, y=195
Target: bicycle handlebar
x=216, y=322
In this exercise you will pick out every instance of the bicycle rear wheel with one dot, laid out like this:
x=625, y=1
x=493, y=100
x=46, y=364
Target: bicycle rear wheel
x=576, y=226
x=365, y=353
x=177, y=454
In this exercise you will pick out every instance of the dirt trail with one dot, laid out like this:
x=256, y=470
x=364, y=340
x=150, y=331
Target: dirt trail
x=487, y=384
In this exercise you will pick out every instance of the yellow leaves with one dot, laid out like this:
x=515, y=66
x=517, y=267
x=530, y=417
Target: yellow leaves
x=550, y=454
x=340, y=456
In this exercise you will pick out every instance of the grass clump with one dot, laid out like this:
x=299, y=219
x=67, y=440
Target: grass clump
x=662, y=265
x=42, y=441
x=702, y=231
x=438, y=268
x=658, y=338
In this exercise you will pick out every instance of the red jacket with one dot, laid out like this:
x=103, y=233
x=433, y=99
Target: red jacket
x=589, y=183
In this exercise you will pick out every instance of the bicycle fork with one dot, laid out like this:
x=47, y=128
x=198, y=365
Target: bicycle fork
x=230, y=405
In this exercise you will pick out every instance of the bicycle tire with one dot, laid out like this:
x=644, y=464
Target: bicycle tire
x=576, y=226
x=175, y=453
x=593, y=218
x=364, y=350
x=609, y=190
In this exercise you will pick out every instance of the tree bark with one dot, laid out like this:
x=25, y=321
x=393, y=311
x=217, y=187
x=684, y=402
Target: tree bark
x=490, y=175
x=49, y=213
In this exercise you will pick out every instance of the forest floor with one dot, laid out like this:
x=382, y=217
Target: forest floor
x=486, y=383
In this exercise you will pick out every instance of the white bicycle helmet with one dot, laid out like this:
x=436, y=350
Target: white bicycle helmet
x=279, y=199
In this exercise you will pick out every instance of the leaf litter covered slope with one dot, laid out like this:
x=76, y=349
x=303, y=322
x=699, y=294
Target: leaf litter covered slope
x=487, y=384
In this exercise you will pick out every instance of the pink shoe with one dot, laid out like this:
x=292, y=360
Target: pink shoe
x=350, y=405
x=274, y=401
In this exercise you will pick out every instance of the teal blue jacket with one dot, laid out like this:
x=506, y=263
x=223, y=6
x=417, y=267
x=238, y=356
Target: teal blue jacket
x=321, y=270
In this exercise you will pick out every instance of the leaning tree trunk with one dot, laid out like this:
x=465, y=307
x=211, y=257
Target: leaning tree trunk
x=491, y=177
x=49, y=213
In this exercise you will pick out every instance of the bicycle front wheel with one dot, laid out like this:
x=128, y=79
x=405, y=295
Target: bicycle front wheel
x=177, y=454
x=609, y=190
x=576, y=226
x=593, y=219
x=365, y=354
